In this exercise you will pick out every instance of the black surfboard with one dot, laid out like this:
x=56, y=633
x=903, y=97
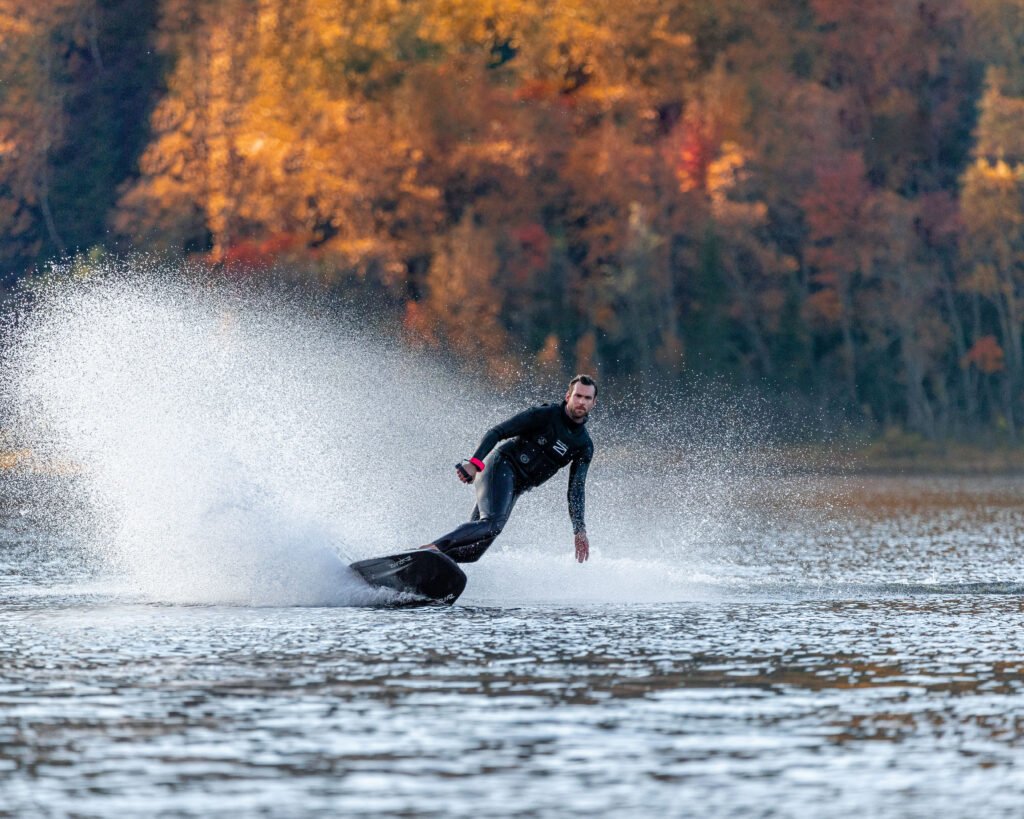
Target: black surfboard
x=425, y=577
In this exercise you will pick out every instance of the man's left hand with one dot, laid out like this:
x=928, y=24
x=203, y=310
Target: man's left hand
x=582, y=547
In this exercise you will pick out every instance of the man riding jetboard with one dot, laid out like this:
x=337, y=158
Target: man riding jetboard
x=534, y=445
x=538, y=442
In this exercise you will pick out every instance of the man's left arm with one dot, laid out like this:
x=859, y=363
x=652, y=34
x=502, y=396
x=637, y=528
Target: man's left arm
x=577, y=505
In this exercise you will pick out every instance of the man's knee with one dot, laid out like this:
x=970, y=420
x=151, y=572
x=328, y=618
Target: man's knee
x=494, y=525
x=490, y=528
x=469, y=552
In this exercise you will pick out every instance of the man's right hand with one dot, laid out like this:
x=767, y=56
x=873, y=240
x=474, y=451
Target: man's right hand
x=466, y=471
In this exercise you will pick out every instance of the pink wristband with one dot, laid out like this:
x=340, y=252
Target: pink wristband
x=477, y=463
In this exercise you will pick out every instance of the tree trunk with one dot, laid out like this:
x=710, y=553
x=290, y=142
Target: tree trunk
x=960, y=342
x=44, y=206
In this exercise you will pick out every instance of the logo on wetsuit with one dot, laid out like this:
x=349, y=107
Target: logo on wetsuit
x=560, y=447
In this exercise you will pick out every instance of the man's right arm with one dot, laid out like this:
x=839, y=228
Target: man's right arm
x=525, y=421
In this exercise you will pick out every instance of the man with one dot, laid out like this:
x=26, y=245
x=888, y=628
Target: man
x=538, y=443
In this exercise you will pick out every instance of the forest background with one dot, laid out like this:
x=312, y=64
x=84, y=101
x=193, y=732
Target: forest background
x=819, y=200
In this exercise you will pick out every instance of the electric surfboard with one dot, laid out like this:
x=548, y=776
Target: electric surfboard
x=423, y=577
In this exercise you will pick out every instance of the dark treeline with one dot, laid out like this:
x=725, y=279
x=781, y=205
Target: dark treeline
x=821, y=199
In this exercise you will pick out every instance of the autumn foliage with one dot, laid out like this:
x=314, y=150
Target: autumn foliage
x=822, y=198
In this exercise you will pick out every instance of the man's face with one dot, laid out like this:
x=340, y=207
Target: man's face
x=579, y=401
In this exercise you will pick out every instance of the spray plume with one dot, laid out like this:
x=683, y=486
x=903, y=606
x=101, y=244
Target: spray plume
x=213, y=443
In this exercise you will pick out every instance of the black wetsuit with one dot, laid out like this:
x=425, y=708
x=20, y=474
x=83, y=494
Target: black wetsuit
x=537, y=443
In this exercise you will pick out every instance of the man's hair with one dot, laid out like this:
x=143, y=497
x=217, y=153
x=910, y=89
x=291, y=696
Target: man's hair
x=585, y=380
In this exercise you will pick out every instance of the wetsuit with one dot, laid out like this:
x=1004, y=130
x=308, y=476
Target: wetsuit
x=537, y=443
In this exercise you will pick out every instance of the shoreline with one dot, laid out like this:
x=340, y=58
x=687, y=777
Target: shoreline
x=886, y=456
x=899, y=454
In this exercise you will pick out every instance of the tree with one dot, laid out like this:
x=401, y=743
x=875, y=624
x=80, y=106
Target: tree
x=462, y=301
x=32, y=120
x=993, y=214
x=836, y=216
x=191, y=180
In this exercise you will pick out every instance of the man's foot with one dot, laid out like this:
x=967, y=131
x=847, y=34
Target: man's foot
x=429, y=546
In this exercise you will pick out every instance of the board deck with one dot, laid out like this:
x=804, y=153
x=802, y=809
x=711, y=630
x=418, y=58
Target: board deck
x=424, y=577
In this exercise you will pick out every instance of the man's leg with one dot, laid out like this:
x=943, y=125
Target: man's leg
x=495, y=497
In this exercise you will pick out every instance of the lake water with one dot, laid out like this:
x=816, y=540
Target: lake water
x=862, y=657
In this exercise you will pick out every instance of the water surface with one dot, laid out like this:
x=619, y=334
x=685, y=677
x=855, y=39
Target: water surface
x=866, y=661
